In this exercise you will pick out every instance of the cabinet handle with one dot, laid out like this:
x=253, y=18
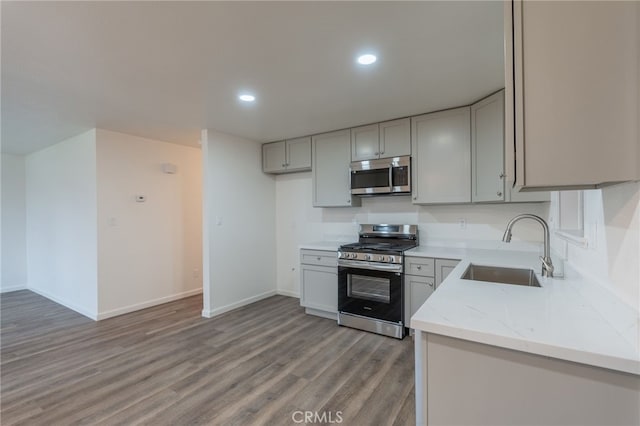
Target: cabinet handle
x=415, y=198
x=381, y=152
x=499, y=194
x=348, y=201
x=284, y=164
x=319, y=258
x=376, y=153
x=430, y=284
x=419, y=268
x=501, y=176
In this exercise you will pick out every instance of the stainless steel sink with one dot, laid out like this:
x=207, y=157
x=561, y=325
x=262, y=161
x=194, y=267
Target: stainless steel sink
x=494, y=274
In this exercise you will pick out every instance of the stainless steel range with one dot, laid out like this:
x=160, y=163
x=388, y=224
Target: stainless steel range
x=371, y=279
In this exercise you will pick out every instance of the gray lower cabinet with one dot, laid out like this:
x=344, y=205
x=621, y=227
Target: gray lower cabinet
x=319, y=282
x=417, y=290
x=468, y=383
x=331, y=178
x=422, y=277
x=444, y=268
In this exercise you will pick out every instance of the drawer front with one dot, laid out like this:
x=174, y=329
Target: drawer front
x=421, y=266
x=319, y=257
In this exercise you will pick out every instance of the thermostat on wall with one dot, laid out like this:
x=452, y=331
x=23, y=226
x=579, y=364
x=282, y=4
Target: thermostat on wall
x=169, y=168
x=141, y=198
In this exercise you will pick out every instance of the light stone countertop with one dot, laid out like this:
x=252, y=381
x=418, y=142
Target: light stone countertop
x=558, y=320
x=323, y=245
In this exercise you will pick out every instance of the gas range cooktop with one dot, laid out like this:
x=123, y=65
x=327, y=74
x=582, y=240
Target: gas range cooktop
x=380, y=243
x=377, y=247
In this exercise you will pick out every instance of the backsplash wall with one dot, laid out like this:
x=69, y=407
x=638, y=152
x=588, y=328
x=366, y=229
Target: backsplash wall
x=298, y=222
x=611, y=257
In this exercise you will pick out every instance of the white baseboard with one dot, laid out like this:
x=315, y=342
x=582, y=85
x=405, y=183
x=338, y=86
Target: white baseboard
x=65, y=303
x=221, y=310
x=11, y=288
x=288, y=293
x=147, y=304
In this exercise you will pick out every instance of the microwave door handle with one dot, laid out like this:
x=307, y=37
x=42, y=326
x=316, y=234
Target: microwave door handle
x=391, y=185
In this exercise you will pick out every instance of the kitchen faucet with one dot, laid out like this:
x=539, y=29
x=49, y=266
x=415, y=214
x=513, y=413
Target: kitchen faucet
x=547, y=266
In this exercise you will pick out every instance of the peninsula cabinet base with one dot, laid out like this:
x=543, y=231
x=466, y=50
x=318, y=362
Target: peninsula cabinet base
x=465, y=383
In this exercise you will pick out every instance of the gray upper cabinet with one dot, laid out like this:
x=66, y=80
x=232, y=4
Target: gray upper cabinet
x=575, y=124
x=489, y=180
x=292, y=155
x=331, y=155
x=487, y=149
x=381, y=140
x=274, y=157
x=299, y=154
x=395, y=138
x=441, y=151
x=365, y=143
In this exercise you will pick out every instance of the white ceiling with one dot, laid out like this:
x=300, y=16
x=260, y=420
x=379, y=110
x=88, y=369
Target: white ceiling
x=165, y=70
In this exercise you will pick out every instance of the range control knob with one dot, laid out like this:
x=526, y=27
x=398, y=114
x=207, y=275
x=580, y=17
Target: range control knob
x=353, y=255
x=367, y=257
x=383, y=259
x=392, y=259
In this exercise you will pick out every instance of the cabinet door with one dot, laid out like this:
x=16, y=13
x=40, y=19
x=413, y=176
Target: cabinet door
x=319, y=288
x=274, y=157
x=331, y=155
x=395, y=138
x=487, y=149
x=365, y=143
x=441, y=150
x=417, y=291
x=576, y=91
x=299, y=154
x=444, y=268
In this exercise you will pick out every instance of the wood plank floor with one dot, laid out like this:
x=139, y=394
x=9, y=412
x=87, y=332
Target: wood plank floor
x=167, y=365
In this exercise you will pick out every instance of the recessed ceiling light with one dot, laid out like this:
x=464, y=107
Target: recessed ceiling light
x=367, y=59
x=247, y=98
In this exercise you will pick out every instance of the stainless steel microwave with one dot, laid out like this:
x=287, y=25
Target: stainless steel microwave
x=383, y=176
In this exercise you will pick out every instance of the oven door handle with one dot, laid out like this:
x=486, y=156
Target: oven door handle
x=368, y=265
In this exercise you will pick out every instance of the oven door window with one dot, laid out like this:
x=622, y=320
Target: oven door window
x=373, y=294
x=368, y=288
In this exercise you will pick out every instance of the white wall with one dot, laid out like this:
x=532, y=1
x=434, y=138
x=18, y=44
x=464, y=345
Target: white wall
x=297, y=222
x=151, y=252
x=612, y=229
x=61, y=223
x=239, y=224
x=14, y=237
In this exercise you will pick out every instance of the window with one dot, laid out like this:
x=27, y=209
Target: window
x=568, y=211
